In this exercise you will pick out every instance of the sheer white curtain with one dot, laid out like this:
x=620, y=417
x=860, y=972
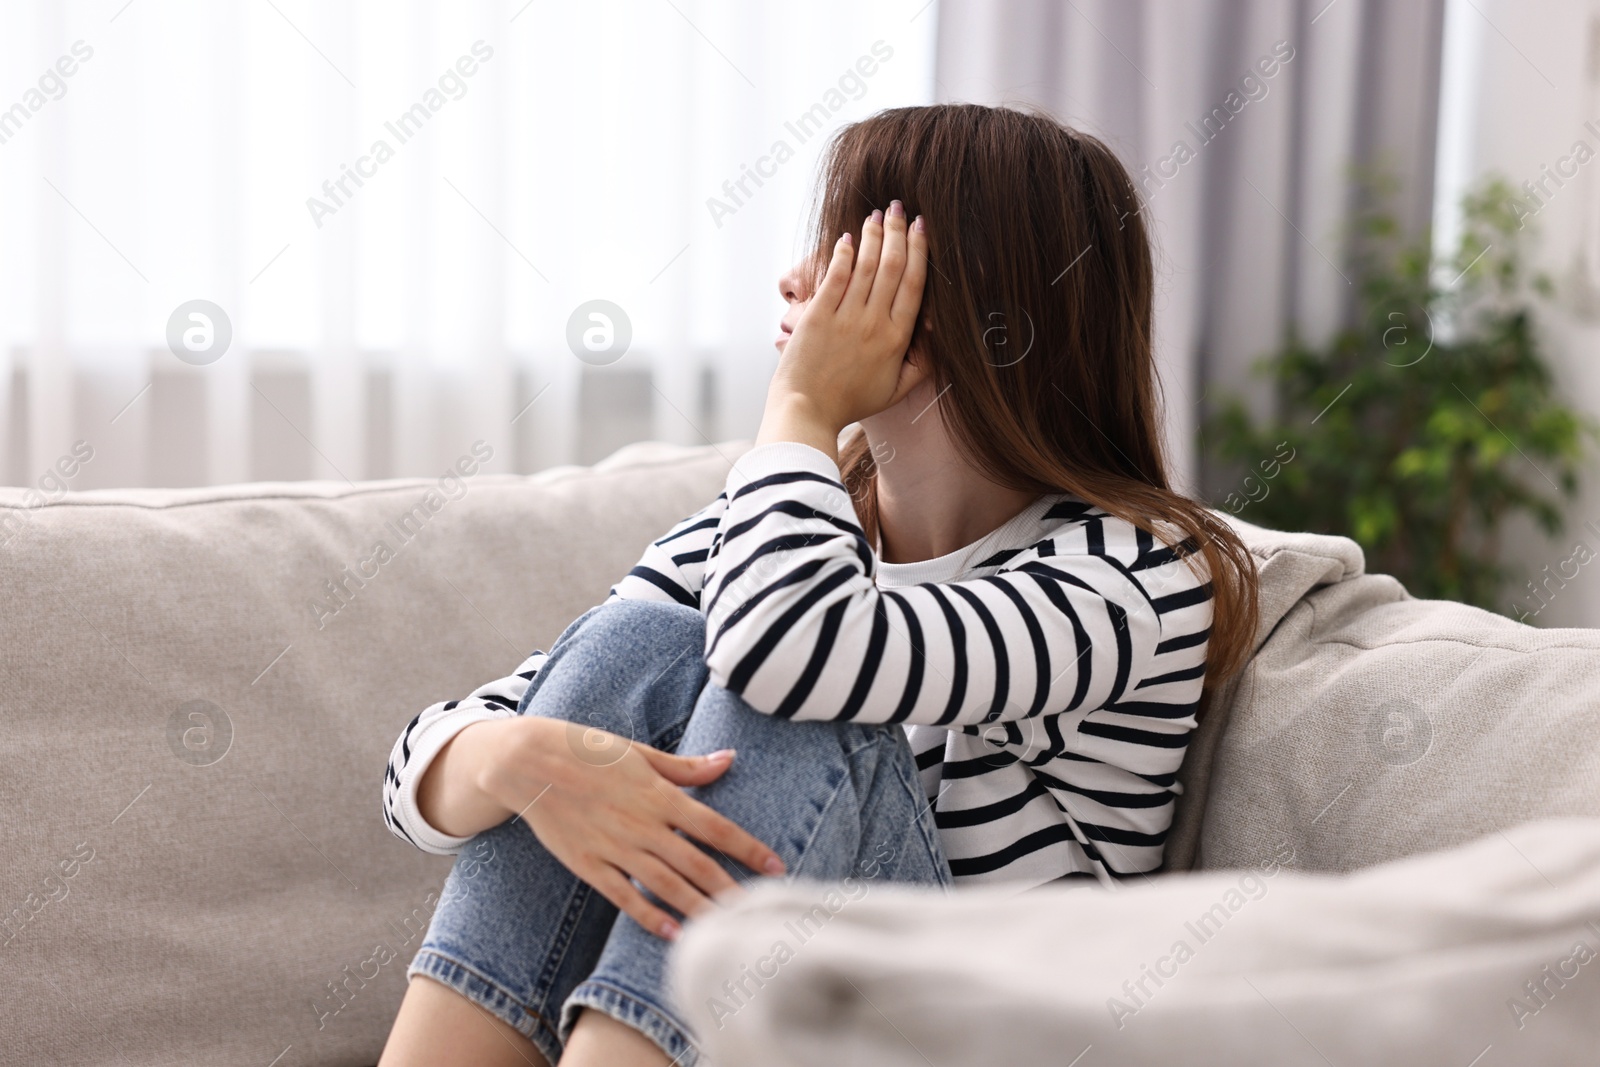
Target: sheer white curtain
x=398, y=207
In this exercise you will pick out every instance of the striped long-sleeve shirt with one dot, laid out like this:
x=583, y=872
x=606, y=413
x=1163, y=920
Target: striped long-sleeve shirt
x=1047, y=675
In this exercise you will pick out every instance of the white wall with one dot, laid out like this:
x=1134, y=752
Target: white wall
x=1522, y=78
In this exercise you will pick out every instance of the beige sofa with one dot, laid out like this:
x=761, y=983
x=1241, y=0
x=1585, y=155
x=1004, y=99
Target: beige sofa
x=201, y=686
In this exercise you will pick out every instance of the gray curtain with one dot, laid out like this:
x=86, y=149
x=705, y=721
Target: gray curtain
x=1246, y=173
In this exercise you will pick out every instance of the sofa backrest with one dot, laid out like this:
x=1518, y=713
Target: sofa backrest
x=200, y=691
x=1372, y=725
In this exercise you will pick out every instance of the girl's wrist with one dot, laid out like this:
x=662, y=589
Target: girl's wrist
x=517, y=748
x=447, y=784
x=795, y=418
x=456, y=795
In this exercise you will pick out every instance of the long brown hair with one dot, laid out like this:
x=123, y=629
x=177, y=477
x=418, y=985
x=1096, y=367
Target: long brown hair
x=1036, y=323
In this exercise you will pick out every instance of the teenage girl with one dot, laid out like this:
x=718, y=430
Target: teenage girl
x=969, y=646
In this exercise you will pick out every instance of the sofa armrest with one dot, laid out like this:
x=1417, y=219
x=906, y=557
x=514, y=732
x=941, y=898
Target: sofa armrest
x=1428, y=960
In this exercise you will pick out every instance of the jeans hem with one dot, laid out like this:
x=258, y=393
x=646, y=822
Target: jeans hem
x=492, y=997
x=635, y=1011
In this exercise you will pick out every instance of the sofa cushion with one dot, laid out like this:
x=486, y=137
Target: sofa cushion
x=196, y=726
x=1290, y=566
x=1486, y=954
x=1371, y=725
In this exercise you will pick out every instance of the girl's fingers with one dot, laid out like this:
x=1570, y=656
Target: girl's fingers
x=891, y=261
x=668, y=885
x=615, y=887
x=908, y=295
x=866, y=267
x=831, y=291
x=687, y=770
x=724, y=835
x=685, y=857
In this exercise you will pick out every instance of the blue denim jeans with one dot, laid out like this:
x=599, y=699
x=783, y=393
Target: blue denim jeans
x=517, y=933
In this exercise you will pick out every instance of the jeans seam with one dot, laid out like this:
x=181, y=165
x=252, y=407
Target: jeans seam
x=805, y=849
x=669, y=741
x=562, y=944
x=880, y=736
x=874, y=734
x=821, y=819
x=925, y=807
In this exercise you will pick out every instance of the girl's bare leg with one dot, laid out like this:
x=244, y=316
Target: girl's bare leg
x=437, y=1027
x=598, y=1040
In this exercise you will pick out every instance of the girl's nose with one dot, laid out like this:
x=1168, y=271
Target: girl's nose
x=792, y=286
x=789, y=285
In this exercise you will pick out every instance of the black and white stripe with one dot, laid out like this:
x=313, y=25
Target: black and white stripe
x=1047, y=676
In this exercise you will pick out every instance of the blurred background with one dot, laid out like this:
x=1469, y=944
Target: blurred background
x=277, y=240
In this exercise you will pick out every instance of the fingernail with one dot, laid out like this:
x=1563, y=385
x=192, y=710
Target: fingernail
x=670, y=930
x=773, y=865
x=876, y=216
x=918, y=225
x=896, y=210
x=845, y=240
x=722, y=755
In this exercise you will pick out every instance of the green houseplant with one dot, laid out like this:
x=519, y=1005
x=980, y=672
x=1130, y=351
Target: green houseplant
x=1419, y=430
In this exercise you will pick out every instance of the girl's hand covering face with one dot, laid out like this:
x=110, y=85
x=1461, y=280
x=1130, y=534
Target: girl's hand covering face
x=847, y=358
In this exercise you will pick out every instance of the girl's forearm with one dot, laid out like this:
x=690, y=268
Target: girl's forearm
x=450, y=797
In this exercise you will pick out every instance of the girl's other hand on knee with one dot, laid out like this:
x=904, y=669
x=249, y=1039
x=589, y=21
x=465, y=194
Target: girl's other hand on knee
x=614, y=810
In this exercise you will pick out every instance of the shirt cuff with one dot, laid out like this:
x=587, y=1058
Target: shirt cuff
x=425, y=745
